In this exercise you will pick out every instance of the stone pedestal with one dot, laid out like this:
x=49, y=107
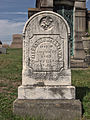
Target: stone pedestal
x=49, y=109
x=46, y=92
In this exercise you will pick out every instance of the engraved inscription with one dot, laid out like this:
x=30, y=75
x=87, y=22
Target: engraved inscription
x=46, y=22
x=46, y=55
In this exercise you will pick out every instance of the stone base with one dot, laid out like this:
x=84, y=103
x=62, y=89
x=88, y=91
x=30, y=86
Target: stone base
x=46, y=92
x=78, y=64
x=49, y=109
x=88, y=59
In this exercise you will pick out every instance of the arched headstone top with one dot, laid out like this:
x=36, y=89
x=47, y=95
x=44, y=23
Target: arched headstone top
x=46, y=47
x=46, y=22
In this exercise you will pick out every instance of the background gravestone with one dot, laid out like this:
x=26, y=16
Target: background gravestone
x=46, y=77
x=2, y=49
x=17, y=41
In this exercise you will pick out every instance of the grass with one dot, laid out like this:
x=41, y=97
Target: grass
x=81, y=80
x=11, y=64
x=10, y=79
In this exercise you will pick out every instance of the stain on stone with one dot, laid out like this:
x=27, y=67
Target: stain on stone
x=39, y=84
x=57, y=91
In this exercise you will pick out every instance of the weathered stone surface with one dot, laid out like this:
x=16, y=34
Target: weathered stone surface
x=44, y=3
x=46, y=56
x=49, y=109
x=45, y=53
x=3, y=50
x=46, y=92
x=80, y=4
x=46, y=77
x=86, y=43
x=17, y=41
x=78, y=64
x=80, y=29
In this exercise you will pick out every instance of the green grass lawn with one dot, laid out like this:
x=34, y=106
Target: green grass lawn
x=10, y=79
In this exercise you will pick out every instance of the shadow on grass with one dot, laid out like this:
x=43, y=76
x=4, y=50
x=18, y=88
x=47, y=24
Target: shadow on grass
x=81, y=93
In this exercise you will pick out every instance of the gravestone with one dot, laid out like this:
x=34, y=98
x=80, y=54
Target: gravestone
x=2, y=49
x=46, y=77
x=17, y=41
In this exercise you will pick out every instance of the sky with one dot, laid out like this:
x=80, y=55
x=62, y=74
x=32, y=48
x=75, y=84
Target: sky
x=13, y=15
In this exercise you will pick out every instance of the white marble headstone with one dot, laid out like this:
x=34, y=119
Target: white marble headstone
x=46, y=62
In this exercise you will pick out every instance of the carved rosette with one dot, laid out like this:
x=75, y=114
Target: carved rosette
x=46, y=23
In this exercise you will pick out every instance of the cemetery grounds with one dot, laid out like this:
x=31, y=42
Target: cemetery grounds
x=10, y=79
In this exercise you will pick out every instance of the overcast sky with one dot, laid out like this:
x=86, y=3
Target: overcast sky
x=13, y=15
